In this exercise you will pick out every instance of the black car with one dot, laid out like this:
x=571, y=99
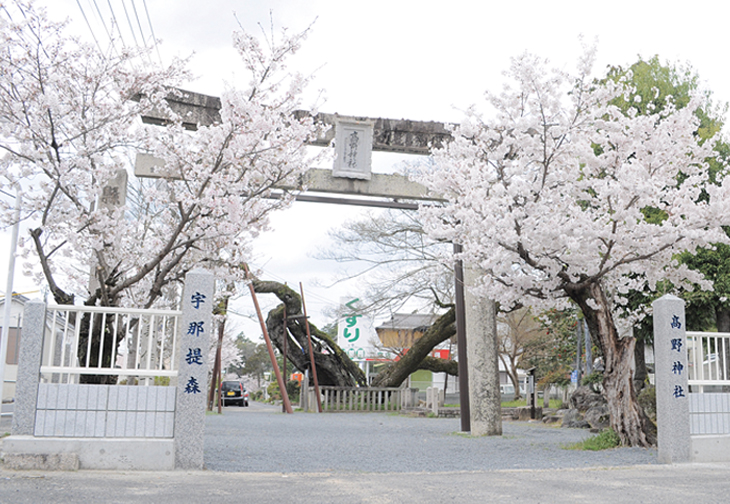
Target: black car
x=233, y=392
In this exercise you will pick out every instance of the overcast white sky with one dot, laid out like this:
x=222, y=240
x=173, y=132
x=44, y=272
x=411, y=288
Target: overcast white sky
x=421, y=60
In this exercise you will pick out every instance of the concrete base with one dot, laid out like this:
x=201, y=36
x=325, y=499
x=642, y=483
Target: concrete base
x=710, y=448
x=49, y=453
x=55, y=462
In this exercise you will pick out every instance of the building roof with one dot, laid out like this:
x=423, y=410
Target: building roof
x=18, y=298
x=408, y=321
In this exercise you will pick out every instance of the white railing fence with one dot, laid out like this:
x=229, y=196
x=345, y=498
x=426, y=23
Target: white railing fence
x=136, y=346
x=708, y=359
x=709, y=382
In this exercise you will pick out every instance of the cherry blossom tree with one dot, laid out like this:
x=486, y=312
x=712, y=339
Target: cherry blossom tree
x=555, y=196
x=70, y=124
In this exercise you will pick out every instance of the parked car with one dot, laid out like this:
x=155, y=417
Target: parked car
x=233, y=392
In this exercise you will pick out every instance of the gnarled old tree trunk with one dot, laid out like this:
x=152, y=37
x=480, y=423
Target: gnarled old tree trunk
x=627, y=417
x=334, y=367
x=417, y=357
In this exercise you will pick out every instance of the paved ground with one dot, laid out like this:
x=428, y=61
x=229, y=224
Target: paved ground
x=664, y=484
x=260, y=439
x=258, y=455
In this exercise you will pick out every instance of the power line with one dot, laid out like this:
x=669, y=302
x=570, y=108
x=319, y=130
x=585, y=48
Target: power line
x=103, y=24
x=154, y=39
x=129, y=22
x=115, y=22
x=136, y=15
x=83, y=13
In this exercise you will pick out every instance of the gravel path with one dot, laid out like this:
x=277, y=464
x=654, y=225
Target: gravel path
x=262, y=439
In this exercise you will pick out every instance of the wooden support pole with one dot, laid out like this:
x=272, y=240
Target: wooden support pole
x=311, y=352
x=269, y=347
x=461, y=343
x=285, y=351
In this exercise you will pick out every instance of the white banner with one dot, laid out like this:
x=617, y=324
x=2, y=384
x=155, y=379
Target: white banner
x=356, y=332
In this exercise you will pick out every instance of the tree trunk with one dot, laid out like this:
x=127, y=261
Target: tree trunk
x=90, y=353
x=397, y=372
x=334, y=367
x=512, y=373
x=628, y=419
x=450, y=367
x=723, y=320
x=639, y=365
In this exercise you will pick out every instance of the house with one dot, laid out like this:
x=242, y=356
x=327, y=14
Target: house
x=402, y=330
x=16, y=333
x=11, y=359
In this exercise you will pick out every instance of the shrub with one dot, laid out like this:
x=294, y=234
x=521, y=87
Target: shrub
x=604, y=441
x=292, y=390
x=594, y=380
x=163, y=381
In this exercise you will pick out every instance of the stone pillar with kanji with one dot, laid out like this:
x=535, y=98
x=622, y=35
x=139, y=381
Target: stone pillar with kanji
x=672, y=390
x=196, y=325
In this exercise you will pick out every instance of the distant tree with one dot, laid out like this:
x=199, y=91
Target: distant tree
x=402, y=265
x=552, y=352
x=253, y=359
x=395, y=259
x=516, y=330
x=656, y=86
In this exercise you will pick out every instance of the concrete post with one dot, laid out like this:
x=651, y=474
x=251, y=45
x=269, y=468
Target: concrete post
x=482, y=357
x=672, y=391
x=408, y=398
x=196, y=325
x=432, y=400
x=29, y=364
x=304, y=393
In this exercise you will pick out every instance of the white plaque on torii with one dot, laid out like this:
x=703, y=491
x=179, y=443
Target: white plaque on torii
x=353, y=149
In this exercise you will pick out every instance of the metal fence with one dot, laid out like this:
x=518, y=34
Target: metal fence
x=136, y=346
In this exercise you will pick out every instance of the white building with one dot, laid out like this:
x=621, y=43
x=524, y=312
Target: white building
x=11, y=359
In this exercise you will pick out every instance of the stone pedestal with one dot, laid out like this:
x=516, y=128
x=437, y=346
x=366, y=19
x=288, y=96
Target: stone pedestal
x=672, y=390
x=196, y=326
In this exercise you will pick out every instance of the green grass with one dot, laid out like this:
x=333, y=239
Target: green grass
x=554, y=403
x=604, y=441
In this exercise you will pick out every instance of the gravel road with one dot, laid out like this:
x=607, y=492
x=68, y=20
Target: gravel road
x=262, y=439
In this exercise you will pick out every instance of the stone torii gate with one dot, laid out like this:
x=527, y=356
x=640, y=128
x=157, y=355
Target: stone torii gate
x=355, y=138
